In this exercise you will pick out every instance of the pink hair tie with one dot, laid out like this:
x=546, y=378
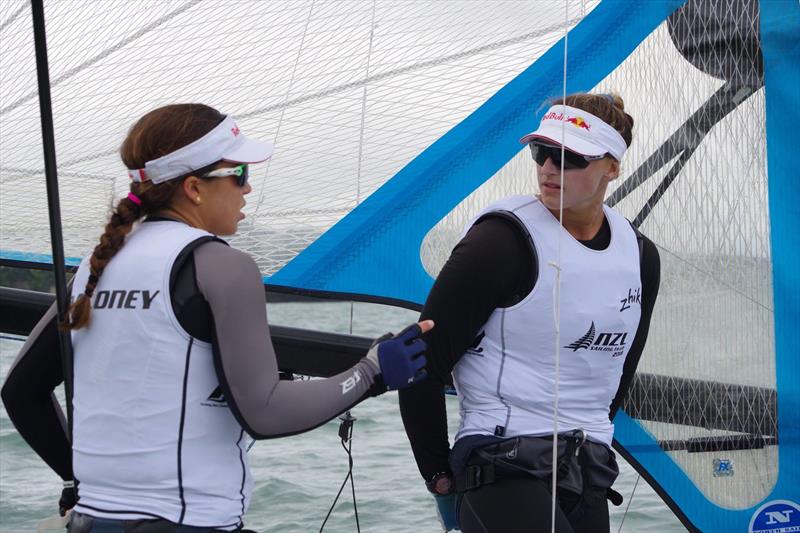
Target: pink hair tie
x=133, y=198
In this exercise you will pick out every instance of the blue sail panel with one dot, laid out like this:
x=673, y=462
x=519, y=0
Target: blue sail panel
x=375, y=249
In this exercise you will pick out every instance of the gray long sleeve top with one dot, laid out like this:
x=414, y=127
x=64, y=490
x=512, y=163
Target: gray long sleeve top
x=218, y=296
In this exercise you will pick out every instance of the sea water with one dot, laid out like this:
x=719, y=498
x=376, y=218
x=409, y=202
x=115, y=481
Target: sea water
x=297, y=478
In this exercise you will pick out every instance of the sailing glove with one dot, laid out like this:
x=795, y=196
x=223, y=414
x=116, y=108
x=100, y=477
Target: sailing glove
x=400, y=357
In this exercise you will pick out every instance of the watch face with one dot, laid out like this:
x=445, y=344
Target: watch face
x=443, y=485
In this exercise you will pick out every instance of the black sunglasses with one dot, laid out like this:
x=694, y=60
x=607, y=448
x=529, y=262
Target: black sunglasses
x=572, y=161
x=240, y=171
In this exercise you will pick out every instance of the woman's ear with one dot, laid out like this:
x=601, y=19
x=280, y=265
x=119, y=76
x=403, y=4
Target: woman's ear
x=191, y=189
x=612, y=172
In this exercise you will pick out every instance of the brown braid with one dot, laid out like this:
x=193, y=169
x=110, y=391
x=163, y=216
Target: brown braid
x=608, y=107
x=158, y=133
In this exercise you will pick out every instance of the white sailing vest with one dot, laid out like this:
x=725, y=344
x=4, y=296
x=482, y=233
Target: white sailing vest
x=506, y=383
x=153, y=436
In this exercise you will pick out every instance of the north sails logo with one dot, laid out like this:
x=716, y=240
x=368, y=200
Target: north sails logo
x=776, y=516
x=216, y=399
x=602, y=342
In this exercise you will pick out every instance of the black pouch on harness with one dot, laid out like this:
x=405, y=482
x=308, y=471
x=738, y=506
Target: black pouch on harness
x=523, y=456
x=579, y=464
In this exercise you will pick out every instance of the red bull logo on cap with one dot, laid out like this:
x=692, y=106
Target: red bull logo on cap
x=579, y=122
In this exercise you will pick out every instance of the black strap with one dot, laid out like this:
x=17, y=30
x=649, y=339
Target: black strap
x=473, y=476
x=614, y=497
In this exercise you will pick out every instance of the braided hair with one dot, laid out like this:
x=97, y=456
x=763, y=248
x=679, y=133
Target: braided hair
x=156, y=134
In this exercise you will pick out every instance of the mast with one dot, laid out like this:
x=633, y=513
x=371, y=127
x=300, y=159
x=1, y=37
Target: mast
x=53, y=202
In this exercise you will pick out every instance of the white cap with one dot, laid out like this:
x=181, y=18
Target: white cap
x=581, y=132
x=224, y=142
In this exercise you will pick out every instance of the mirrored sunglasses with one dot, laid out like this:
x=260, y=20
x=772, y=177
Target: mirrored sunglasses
x=572, y=161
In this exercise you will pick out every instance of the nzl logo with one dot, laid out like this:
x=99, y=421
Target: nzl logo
x=633, y=298
x=602, y=342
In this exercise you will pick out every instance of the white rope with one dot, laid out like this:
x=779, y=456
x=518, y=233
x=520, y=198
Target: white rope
x=361, y=132
x=285, y=99
x=630, y=499
x=557, y=287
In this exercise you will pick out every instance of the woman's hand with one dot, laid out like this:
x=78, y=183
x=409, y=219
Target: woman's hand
x=401, y=357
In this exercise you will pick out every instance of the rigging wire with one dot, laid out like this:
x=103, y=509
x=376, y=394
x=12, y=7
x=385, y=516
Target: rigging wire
x=346, y=436
x=630, y=499
x=557, y=285
x=285, y=99
x=346, y=427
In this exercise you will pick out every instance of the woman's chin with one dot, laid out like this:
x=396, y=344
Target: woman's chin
x=550, y=198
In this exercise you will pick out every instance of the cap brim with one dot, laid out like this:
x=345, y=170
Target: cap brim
x=250, y=151
x=573, y=143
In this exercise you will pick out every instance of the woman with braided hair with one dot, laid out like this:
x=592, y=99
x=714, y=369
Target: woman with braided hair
x=495, y=338
x=173, y=362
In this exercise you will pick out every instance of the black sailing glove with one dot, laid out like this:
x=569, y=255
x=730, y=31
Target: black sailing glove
x=400, y=357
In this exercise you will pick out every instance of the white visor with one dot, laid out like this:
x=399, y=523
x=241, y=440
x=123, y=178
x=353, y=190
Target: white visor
x=581, y=132
x=225, y=142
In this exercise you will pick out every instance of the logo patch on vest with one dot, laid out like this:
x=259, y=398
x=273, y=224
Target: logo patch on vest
x=613, y=343
x=634, y=297
x=476, y=349
x=120, y=299
x=216, y=399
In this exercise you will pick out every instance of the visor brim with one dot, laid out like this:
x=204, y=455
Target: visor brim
x=250, y=151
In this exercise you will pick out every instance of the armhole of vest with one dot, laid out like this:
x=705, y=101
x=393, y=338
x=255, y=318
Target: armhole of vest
x=639, y=241
x=514, y=219
x=179, y=269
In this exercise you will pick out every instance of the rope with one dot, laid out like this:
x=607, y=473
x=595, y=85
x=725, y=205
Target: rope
x=361, y=138
x=346, y=435
x=286, y=99
x=557, y=286
x=630, y=499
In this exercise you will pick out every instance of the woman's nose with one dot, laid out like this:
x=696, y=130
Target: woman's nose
x=550, y=166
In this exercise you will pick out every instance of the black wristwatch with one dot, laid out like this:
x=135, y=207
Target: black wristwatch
x=441, y=484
